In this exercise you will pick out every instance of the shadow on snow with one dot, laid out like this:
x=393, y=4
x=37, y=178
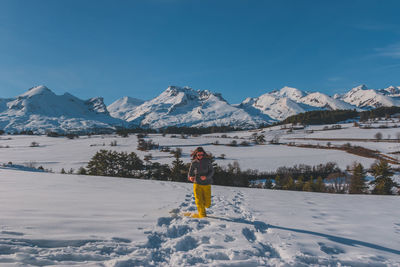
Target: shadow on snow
x=262, y=227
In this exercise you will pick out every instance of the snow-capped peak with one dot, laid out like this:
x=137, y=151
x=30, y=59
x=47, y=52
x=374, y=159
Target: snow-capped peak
x=184, y=106
x=291, y=93
x=125, y=101
x=41, y=110
x=392, y=90
x=358, y=88
x=124, y=108
x=37, y=90
x=363, y=97
x=131, y=100
x=174, y=91
x=337, y=96
x=318, y=99
x=289, y=101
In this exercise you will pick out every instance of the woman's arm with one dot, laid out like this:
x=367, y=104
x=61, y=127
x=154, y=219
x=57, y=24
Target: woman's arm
x=191, y=175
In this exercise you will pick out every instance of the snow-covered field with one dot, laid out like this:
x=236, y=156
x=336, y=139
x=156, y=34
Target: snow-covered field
x=53, y=219
x=57, y=153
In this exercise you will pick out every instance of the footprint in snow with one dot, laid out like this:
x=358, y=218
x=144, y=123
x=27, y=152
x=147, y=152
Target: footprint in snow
x=330, y=250
x=249, y=234
x=187, y=243
x=166, y=220
x=229, y=238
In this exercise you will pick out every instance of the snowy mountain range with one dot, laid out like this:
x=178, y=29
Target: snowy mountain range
x=178, y=106
x=40, y=110
x=288, y=101
x=363, y=97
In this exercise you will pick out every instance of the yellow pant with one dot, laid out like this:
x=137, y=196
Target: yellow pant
x=202, y=196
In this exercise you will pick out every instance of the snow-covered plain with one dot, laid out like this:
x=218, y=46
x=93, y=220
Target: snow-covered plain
x=57, y=153
x=53, y=219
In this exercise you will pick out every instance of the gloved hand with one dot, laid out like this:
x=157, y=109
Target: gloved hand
x=191, y=178
x=203, y=178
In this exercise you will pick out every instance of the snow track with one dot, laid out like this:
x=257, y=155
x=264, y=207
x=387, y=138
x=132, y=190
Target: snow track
x=228, y=237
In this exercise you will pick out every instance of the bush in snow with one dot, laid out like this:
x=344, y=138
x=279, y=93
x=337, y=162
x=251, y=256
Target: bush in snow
x=244, y=143
x=233, y=143
x=378, y=136
x=113, y=163
x=144, y=145
x=82, y=171
x=34, y=144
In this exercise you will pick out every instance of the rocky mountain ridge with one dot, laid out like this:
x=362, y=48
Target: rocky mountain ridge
x=40, y=110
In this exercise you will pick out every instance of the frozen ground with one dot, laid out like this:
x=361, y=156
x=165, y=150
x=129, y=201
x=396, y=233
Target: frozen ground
x=53, y=219
x=58, y=153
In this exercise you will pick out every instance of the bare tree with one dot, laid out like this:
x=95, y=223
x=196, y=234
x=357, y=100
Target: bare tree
x=378, y=136
x=338, y=182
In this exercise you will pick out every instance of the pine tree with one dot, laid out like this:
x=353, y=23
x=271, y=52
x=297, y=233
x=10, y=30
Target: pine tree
x=299, y=183
x=319, y=185
x=383, y=181
x=278, y=182
x=309, y=185
x=357, y=180
x=178, y=170
x=260, y=139
x=289, y=185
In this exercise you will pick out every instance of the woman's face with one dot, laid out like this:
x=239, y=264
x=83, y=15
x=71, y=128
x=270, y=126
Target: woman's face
x=200, y=155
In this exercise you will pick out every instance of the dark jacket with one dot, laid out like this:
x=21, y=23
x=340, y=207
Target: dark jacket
x=199, y=168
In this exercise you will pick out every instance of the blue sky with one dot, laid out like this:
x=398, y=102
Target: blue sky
x=238, y=48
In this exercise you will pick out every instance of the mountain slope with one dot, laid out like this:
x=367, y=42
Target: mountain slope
x=324, y=101
x=123, y=108
x=363, y=97
x=290, y=101
x=40, y=110
x=178, y=106
x=393, y=91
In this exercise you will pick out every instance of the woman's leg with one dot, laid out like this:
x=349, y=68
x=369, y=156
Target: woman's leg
x=199, y=199
x=207, y=196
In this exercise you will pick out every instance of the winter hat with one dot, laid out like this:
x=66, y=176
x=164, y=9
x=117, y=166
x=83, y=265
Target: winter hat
x=200, y=149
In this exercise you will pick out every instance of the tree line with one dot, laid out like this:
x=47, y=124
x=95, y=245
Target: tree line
x=179, y=130
x=334, y=116
x=331, y=179
x=320, y=178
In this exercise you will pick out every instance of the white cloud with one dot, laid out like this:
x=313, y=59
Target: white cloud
x=392, y=50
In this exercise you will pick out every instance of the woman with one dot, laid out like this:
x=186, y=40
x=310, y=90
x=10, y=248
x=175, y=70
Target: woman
x=200, y=174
